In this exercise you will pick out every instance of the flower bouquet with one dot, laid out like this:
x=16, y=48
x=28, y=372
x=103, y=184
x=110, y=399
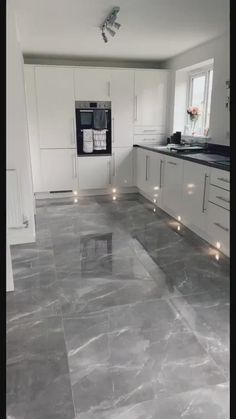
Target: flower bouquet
x=194, y=114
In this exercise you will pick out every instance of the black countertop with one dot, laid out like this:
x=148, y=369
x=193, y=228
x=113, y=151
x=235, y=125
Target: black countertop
x=206, y=157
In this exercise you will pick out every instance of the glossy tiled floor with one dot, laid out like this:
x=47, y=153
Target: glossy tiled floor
x=116, y=315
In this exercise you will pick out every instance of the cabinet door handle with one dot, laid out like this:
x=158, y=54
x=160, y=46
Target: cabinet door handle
x=149, y=139
x=171, y=162
x=109, y=172
x=74, y=165
x=222, y=227
x=204, y=194
x=114, y=165
x=73, y=131
x=223, y=199
x=113, y=130
x=149, y=130
x=223, y=179
x=109, y=88
x=146, y=168
x=160, y=173
x=135, y=107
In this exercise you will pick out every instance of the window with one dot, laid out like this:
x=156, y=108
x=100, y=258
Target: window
x=199, y=95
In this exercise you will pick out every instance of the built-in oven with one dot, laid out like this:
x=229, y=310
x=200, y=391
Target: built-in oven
x=93, y=128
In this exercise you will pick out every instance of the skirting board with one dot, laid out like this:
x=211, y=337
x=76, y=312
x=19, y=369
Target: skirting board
x=85, y=192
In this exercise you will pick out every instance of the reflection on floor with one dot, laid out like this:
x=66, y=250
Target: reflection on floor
x=116, y=314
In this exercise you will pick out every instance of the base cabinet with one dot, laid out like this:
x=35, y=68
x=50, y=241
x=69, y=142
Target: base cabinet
x=172, y=186
x=59, y=170
x=218, y=227
x=94, y=172
x=122, y=167
x=195, y=195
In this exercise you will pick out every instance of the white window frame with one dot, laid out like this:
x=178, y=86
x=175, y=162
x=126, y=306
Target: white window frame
x=198, y=72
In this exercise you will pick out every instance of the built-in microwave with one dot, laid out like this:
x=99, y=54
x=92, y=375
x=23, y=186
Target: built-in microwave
x=93, y=128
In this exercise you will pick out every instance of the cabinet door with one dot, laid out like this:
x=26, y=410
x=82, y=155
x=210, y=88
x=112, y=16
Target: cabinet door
x=172, y=186
x=122, y=95
x=92, y=84
x=56, y=107
x=31, y=105
x=195, y=195
x=153, y=185
x=59, y=171
x=218, y=227
x=94, y=172
x=140, y=168
x=122, y=167
x=150, y=98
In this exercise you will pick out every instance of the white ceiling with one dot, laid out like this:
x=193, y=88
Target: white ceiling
x=151, y=29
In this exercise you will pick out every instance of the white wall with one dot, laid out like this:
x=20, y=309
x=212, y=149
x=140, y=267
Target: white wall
x=218, y=49
x=18, y=153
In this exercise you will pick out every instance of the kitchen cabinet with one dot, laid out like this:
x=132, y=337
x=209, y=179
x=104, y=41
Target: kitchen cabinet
x=195, y=195
x=122, y=95
x=94, y=172
x=172, y=186
x=150, y=100
x=122, y=167
x=149, y=174
x=59, y=170
x=92, y=84
x=55, y=106
x=218, y=214
x=31, y=106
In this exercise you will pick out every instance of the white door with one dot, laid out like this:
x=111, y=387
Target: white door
x=59, y=170
x=56, y=107
x=150, y=98
x=94, y=172
x=195, y=194
x=122, y=167
x=122, y=95
x=172, y=186
x=92, y=84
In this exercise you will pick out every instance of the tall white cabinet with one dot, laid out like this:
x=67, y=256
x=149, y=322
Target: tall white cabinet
x=92, y=84
x=56, y=107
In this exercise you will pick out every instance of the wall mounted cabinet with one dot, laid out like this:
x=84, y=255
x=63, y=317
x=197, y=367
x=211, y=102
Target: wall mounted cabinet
x=150, y=99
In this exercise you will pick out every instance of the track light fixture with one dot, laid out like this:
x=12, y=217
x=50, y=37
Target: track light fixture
x=109, y=22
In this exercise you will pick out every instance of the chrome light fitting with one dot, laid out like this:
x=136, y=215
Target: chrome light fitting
x=110, y=22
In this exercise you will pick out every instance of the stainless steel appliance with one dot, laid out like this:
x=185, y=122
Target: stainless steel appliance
x=93, y=128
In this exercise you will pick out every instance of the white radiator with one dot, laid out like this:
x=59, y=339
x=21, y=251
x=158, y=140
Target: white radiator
x=15, y=217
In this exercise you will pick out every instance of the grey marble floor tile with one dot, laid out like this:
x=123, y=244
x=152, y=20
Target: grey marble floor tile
x=98, y=294
x=208, y=317
x=35, y=303
x=38, y=381
x=203, y=403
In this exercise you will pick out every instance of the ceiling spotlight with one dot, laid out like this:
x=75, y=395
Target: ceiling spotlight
x=111, y=32
x=117, y=25
x=104, y=37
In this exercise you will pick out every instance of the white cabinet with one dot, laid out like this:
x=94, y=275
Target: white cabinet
x=56, y=107
x=59, y=170
x=140, y=168
x=94, y=172
x=122, y=167
x=195, y=195
x=122, y=95
x=92, y=84
x=218, y=227
x=172, y=186
x=31, y=106
x=218, y=213
x=149, y=174
x=150, y=99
